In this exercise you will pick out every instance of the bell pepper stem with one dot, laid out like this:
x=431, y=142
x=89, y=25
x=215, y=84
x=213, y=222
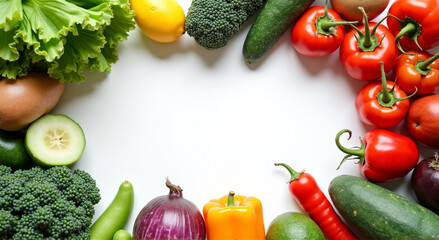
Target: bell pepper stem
x=326, y=25
x=386, y=97
x=294, y=175
x=359, y=151
x=423, y=67
x=231, y=199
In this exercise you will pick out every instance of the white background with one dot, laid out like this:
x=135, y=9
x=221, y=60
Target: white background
x=213, y=123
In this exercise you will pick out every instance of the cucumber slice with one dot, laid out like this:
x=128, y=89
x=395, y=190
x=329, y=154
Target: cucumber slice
x=55, y=140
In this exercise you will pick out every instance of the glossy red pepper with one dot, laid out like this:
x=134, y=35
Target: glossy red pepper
x=382, y=103
x=365, y=47
x=415, y=24
x=417, y=71
x=383, y=155
x=318, y=32
x=310, y=197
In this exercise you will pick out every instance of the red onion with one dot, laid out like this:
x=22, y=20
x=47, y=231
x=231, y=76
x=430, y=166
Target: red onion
x=170, y=217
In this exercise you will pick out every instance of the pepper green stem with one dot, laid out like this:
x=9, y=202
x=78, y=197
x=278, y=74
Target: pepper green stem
x=385, y=97
x=409, y=28
x=294, y=175
x=423, y=67
x=326, y=25
x=367, y=41
x=355, y=153
x=435, y=163
x=231, y=199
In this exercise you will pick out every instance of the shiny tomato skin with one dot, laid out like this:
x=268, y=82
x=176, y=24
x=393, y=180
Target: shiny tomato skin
x=423, y=120
x=370, y=111
x=311, y=44
x=366, y=66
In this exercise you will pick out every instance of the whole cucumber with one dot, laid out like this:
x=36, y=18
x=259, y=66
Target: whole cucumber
x=116, y=215
x=272, y=22
x=374, y=212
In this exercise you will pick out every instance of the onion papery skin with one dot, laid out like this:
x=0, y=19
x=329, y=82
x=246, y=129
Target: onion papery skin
x=170, y=217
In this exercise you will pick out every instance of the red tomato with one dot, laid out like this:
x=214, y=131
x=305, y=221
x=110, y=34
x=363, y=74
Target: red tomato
x=423, y=120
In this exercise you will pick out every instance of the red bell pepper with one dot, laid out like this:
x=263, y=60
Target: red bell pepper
x=365, y=47
x=415, y=24
x=310, y=197
x=382, y=103
x=383, y=155
x=417, y=70
x=318, y=32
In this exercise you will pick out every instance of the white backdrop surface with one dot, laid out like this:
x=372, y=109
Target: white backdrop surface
x=213, y=123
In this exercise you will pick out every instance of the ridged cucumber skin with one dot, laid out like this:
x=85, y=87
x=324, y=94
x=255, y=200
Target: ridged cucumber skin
x=374, y=212
x=271, y=23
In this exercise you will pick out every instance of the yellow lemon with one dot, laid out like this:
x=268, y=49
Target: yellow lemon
x=160, y=20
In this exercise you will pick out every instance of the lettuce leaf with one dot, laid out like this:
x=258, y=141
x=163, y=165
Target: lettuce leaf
x=62, y=37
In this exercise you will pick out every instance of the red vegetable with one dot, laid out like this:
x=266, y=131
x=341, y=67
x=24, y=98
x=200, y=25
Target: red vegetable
x=425, y=182
x=365, y=47
x=170, y=217
x=423, y=120
x=415, y=24
x=383, y=155
x=381, y=103
x=318, y=32
x=417, y=70
x=307, y=193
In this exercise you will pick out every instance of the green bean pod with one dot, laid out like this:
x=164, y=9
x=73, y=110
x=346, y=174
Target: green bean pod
x=116, y=215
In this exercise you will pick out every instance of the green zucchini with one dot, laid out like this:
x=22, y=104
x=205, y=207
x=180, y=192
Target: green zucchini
x=271, y=23
x=374, y=212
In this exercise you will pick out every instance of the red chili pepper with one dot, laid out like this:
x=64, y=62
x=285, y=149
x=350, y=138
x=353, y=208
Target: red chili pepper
x=383, y=155
x=307, y=193
x=417, y=70
x=318, y=32
x=365, y=47
x=382, y=103
x=415, y=24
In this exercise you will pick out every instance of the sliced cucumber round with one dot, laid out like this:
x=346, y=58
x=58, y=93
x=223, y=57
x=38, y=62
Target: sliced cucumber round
x=55, y=140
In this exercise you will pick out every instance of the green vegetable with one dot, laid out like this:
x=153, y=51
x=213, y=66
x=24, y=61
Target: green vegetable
x=61, y=37
x=55, y=140
x=274, y=19
x=12, y=150
x=53, y=203
x=213, y=23
x=294, y=225
x=122, y=234
x=116, y=215
x=377, y=213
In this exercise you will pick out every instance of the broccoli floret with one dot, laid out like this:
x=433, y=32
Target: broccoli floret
x=212, y=23
x=53, y=203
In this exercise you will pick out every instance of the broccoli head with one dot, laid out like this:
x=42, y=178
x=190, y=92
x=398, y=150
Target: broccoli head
x=212, y=23
x=53, y=203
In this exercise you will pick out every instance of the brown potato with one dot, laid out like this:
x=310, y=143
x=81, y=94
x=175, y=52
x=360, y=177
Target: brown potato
x=25, y=99
x=348, y=9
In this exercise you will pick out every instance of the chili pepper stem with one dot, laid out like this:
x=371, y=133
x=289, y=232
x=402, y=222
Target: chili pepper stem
x=423, y=67
x=294, y=175
x=231, y=199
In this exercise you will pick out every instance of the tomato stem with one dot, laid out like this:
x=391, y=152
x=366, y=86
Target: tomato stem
x=423, y=67
x=325, y=25
x=231, y=199
x=385, y=97
x=294, y=175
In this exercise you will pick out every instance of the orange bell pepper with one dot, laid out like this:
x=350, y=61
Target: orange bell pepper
x=234, y=217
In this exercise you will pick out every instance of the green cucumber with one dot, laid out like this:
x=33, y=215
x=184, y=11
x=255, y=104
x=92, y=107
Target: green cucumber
x=374, y=212
x=272, y=22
